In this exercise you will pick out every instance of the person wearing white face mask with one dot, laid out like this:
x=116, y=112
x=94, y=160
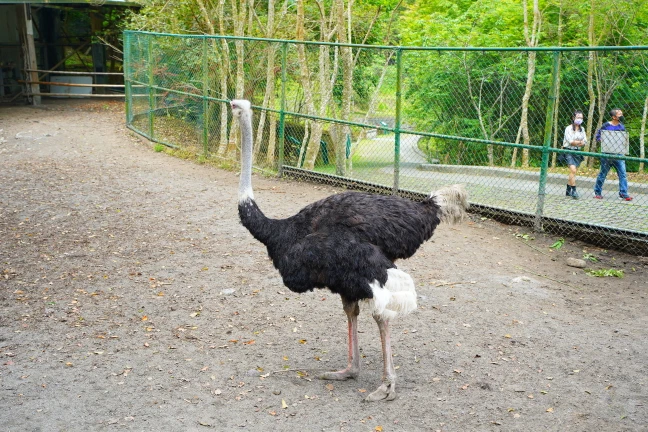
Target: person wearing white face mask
x=575, y=139
x=615, y=125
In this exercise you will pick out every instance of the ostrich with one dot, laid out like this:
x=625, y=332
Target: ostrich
x=348, y=243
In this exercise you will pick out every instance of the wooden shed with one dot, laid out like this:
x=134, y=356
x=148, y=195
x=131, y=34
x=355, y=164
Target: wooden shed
x=60, y=48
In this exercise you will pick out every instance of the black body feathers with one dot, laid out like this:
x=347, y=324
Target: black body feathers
x=343, y=242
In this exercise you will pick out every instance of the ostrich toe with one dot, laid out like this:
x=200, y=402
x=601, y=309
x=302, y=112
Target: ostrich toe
x=387, y=391
x=342, y=375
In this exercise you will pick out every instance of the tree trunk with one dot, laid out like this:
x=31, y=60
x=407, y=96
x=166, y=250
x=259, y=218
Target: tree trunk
x=347, y=89
x=532, y=39
x=223, y=72
x=268, y=97
x=272, y=142
x=326, y=80
x=312, y=150
x=239, y=12
x=515, y=149
x=556, y=129
x=304, y=72
x=591, y=62
x=524, y=122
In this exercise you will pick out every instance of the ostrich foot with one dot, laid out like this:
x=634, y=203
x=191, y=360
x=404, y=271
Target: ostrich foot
x=387, y=391
x=342, y=375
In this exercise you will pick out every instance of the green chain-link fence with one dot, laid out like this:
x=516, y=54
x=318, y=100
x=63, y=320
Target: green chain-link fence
x=408, y=120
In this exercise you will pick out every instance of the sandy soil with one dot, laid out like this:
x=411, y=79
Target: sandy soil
x=132, y=299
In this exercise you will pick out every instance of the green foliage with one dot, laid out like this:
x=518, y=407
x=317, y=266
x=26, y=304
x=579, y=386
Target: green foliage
x=558, y=244
x=606, y=273
x=159, y=148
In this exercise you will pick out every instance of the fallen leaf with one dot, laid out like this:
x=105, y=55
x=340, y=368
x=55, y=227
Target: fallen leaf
x=284, y=405
x=378, y=429
x=144, y=318
x=549, y=409
x=507, y=336
x=530, y=396
x=329, y=387
x=250, y=342
x=69, y=364
x=362, y=390
x=302, y=341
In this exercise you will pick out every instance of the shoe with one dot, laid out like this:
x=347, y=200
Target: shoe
x=574, y=193
x=598, y=196
x=568, y=192
x=625, y=197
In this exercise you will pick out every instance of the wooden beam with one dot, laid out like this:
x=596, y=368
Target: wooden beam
x=79, y=96
x=26, y=29
x=73, y=84
x=52, y=71
x=74, y=51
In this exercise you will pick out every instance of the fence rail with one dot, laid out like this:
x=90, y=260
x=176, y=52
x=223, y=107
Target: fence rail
x=408, y=120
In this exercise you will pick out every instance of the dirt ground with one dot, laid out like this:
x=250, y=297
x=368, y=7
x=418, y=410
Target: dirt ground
x=133, y=299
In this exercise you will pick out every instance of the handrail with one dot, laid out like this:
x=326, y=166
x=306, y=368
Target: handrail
x=398, y=47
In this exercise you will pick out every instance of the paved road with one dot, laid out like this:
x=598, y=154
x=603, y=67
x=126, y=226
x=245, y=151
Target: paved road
x=507, y=189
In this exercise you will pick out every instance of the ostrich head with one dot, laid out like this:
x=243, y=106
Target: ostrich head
x=240, y=105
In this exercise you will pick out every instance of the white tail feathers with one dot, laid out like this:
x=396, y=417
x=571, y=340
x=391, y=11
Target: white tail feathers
x=396, y=298
x=453, y=203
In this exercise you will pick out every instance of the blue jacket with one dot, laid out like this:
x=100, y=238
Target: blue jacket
x=609, y=126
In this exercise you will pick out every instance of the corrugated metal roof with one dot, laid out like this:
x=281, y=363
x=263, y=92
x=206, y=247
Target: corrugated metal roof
x=63, y=2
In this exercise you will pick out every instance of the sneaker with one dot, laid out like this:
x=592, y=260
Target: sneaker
x=598, y=196
x=625, y=197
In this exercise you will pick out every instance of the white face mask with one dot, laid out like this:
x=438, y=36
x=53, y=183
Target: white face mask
x=578, y=121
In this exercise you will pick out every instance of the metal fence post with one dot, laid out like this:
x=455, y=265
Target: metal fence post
x=205, y=71
x=282, y=112
x=397, y=121
x=151, y=89
x=546, y=145
x=127, y=78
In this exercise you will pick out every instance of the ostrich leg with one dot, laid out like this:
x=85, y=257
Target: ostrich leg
x=387, y=390
x=353, y=369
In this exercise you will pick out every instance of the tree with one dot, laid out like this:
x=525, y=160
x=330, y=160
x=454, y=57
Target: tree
x=532, y=38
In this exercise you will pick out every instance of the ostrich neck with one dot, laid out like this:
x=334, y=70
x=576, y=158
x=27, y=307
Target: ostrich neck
x=245, y=183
